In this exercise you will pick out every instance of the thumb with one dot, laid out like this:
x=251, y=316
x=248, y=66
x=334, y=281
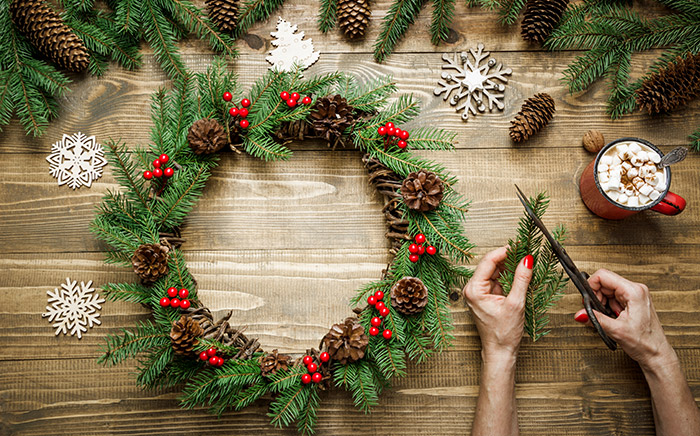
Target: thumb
x=608, y=324
x=523, y=274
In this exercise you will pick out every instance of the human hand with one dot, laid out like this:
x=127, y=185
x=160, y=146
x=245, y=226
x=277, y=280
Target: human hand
x=499, y=319
x=637, y=328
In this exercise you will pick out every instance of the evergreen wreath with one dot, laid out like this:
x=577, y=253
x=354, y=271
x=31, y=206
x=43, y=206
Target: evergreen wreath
x=219, y=366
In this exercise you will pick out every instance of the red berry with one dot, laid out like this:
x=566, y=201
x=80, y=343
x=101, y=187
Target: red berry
x=325, y=357
x=243, y=112
x=220, y=362
x=174, y=302
x=431, y=250
x=312, y=367
x=381, y=131
x=185, y=304
x=413, y=248
x=164, y=158
x=421, y=250
x=245, y=102
x=165, y=302
x=168, y=172
x=213, y=360
x=413, y=258
x=387, y=334
x=211, y=352
x=156, y=163
x=284, y=95
x=403, y=135
x=184, y=293
x=203, y=356
x=172, y=292
x=384, y=312
x=390, y=131
x=306, y=379
x=306, y=100
x=228, y=96
x=147, y=175
x=371, y=300
x=373, y=331
x=379, y=305
x=233, y=111
x=296, y=96
x=291, y=102
x=389, y=124
x=244, y=124
x=402, y=144
x=157, y=172
x=379, y=295
x=420, y=238
x=307, y=360
x=376, y=321
x=317, y=377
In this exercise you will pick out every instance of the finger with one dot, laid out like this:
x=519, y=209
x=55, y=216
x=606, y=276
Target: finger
x=489, y=264
x=581, y=316
x=523, y=274
x=496, y=289
x=616, y=306
x=607, y=281
x=608, y=324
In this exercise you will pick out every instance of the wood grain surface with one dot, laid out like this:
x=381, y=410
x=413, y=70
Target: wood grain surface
x=284, y=245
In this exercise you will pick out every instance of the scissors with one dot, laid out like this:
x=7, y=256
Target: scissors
x=579, y=279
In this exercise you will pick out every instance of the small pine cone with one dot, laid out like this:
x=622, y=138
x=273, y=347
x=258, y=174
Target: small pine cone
x=184, y=335
x=223, y=13
x=49, y=34
x=409, y=296
x=330, y=117
x=272, y=362
x=536, y=112
x=206, y=136
x=422, y=191
x=150, y=262
x=673, y=87
x=353, y=17
x=540, y=18
x=294, y=130
x=346, y=342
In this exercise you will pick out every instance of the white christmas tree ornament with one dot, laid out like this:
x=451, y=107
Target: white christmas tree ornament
x=74, y=308
x=76, y=160
x=291, y=48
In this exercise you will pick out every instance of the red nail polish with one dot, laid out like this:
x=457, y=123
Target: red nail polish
x=617, y=313
x=582, y=318
x=528, y=261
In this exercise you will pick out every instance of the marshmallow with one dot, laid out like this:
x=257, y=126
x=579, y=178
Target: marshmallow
x=603, y=177
x=603, y=168
x=632, y=173
x=616, y=161
x=637, y=182
x=605, y=160
x=661, y=180
x=643, y=155
x=636, y=161
x=643, y=199
x=634, y=147
x=654, y=195
x=626, y=166
x=645, y=189
x=622, y=198
x=632, y=202
x=654, y=157
x=613, y=195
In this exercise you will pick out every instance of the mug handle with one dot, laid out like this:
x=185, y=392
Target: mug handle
x=672, y=204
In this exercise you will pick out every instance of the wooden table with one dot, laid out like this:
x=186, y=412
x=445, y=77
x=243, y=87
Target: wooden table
x=286, y=244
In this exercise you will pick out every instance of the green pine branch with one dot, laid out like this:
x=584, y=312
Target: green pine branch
x=443, y=12
x=508, y=10
x=401, y=14
x=147, y=336
x=695, y=140
x=253, y=11
x=327, y=15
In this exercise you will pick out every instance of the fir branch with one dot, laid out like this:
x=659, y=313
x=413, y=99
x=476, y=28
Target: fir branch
x=327, y=16
x=306, y=421
x=508, y=10
x=125, y=171
x=432, y=138
x=357, y=377
x=417, y=343
x=443, y=11
x=401, y=14
x=695, y=140
x=130, y=292
x=389, y=357
x=153, y=367
x=147, y=336
x=252, y=11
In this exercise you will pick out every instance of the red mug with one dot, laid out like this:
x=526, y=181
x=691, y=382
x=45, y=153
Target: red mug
x=597, y=202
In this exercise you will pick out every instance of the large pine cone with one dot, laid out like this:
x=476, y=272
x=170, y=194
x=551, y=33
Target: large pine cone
x=49, y=34
x=206, y=136
x=536, y=112
x=272, y=362
x=422, y=191
x=346, y=342
x=540, y=18
x=672, y=87
x=184, y=335
x=353, y=17
x=409, y=296
x=330, y=116
x=150, y=262
x=223, y=13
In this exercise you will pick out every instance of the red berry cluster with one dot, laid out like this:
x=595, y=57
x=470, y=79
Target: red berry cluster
x=418, y=249
x=211, y=358
x=172, y=299
x=376, y=301
x=242, y=112
x=293, y=99
x=393, y=134
x=158, y=170
x=314, y=375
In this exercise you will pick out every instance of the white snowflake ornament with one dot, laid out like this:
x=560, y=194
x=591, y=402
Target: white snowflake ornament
x=76, y=160
x=291, y=49
x=477, y=85
x=74, y=308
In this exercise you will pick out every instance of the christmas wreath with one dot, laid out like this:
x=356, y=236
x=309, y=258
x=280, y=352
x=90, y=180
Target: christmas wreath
x=403, y=315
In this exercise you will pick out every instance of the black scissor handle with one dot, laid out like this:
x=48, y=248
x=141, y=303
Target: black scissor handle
x=591, y=316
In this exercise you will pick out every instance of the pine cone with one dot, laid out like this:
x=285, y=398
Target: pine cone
x=223, y=13
x=346, y=342
x=206, y=136
x=49, y=34
x=422, y=191
x=272, y=362
x=409, y=296
x=295, y=130
x=353, y=17
x=184, y=335
x=536, y=112
x=672, y=87
x=541, y=17
x=330, y=117
x=150, y=262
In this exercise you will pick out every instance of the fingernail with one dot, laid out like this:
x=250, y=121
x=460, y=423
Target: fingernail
x=528, y=261
x=617, y=313
x=582, y=317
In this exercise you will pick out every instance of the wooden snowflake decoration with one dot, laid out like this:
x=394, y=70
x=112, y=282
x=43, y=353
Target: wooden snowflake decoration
x=76, y=160
x=73, y=308
x=478, y=85
x=291, y=48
